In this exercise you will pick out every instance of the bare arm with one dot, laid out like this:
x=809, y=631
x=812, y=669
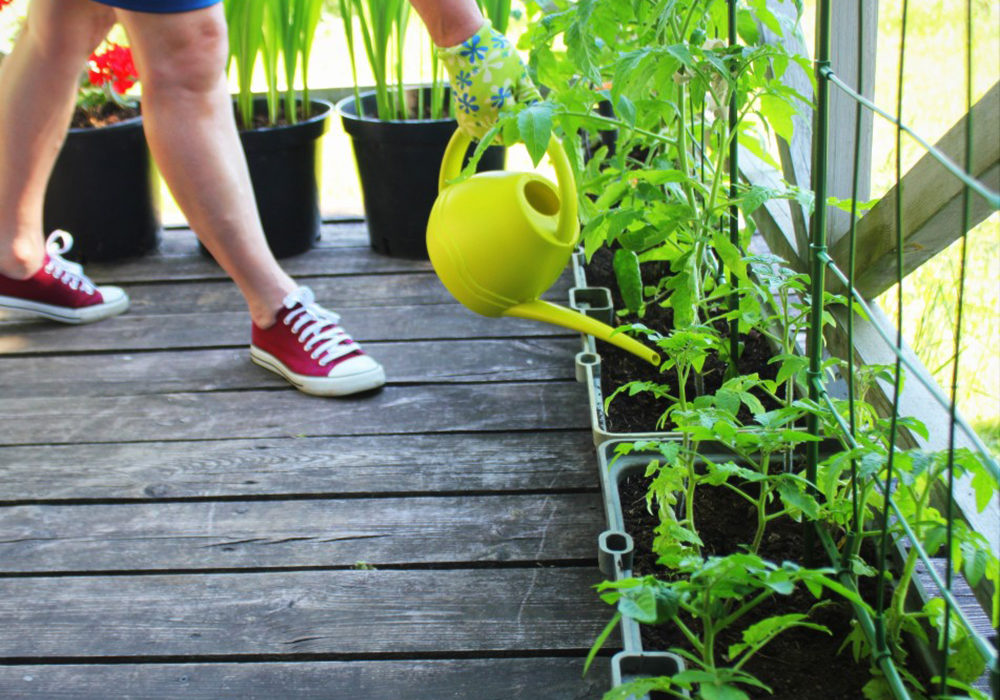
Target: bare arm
x=449, y=22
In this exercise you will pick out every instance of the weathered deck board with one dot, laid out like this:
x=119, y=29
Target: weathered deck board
x=337, y=233
x=483, y=679
x=183, y=266
x=282, y=467
x=130, y=333
x=271, y=534
x=177, y=522
x=290, y=613
x=367, y=291
x=335, y=292
x=450, y=361
x=286, y=413
x=338, y=293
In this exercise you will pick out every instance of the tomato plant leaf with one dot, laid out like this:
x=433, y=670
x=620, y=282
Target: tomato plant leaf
x=710, y=691
x=778, y=113
x=535, y=128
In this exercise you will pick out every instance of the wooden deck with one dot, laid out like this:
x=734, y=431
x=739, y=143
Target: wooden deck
x=177, y=522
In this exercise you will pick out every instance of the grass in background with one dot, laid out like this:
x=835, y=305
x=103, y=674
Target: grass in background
x=933, y=101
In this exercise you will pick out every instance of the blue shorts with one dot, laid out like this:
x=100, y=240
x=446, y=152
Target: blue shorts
x=162, y=6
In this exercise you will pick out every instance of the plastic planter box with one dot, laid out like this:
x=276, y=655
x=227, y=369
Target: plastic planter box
x=615, y=553
x=632, y=663
x=588, y=371
x=615, y=548
x=596, y=302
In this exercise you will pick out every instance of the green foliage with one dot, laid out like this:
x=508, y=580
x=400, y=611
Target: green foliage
x=382, y=25
x=272, y=30
x=383, y=28
x=663, y=195
x=650, y=76
x=498, y=12
x=296, y=22
x=718, y=593
x=244, y=47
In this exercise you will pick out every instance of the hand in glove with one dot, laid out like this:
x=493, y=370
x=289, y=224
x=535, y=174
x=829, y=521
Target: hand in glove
x=486, y=76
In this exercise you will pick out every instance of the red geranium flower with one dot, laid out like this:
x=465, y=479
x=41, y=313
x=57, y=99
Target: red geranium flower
x=114, y=66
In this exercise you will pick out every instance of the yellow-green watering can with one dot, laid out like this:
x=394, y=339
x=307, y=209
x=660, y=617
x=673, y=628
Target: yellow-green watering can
x=499, y=240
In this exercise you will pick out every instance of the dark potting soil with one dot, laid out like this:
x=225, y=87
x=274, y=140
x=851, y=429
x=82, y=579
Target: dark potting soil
x=261, y=120
x=640, y=413
x=418, y=112
x=797, y=664
x=107, y=114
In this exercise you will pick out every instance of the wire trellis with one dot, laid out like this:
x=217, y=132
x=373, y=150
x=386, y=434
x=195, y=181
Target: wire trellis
x=874, y=626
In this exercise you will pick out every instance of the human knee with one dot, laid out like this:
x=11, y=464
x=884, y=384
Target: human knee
x=192, y=58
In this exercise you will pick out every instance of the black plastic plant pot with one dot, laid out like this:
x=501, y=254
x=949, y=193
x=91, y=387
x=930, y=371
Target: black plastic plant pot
x=603, y=138
x=284, y=163
x=398, y=164
x=103, y=190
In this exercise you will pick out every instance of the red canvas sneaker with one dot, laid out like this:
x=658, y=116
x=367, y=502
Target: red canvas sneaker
x=307, y=347
x=60, y=291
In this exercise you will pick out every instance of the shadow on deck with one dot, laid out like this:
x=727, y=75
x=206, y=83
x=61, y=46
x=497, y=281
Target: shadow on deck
x=177, y=522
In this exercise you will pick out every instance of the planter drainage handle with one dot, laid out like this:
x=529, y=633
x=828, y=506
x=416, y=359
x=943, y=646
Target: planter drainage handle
x=499, y=240
x=614, y=553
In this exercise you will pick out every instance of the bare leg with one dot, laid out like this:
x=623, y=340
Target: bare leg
x=189, y=123
x=449, y=22
x=38, y=83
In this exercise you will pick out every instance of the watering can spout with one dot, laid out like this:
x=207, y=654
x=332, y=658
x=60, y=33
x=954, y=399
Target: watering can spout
x=545, y=312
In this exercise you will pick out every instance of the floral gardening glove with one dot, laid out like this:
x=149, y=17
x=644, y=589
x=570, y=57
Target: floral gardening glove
x=486, y=75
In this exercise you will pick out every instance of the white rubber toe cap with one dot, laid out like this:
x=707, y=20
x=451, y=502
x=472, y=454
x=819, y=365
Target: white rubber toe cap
x=113, y=295
x=353, y=375
x=356, y=366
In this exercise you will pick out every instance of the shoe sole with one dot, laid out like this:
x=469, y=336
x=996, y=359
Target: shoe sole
x=65, y=314
x=320, y=386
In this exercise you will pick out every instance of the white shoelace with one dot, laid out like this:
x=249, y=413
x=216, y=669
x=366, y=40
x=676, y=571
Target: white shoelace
x=317, y=327
x=69, y=273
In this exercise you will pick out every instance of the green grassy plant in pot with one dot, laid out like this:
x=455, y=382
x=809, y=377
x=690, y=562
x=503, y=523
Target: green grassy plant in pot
x=280, y=131
x=399, y=133
x=103, y=189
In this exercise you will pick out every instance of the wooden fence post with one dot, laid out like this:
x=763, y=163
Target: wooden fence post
x=851, y=31
x=797, y=156
x=932, y=205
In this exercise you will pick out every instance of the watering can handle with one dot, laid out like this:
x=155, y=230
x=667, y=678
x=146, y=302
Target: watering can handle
x=568, y=228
